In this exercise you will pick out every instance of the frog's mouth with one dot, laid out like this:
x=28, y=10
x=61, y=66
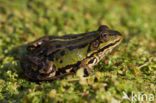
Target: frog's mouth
x=108, y=47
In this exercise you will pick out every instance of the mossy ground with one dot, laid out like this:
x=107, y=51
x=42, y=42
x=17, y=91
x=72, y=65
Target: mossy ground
x=131, y=67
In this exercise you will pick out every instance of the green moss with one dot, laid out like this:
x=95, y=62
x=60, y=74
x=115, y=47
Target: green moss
x=130, y=67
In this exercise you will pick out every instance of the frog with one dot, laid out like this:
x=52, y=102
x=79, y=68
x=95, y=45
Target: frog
x=54, y=57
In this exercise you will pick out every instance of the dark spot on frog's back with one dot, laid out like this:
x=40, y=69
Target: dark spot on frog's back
x=51, y=57
x=61, y=61
x=62, y=53
x=71, y=48
x=58, y=46
x=56, y=58
x=78, y=46
x=40, y=66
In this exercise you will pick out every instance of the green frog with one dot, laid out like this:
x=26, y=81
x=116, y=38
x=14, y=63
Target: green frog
x=53, y=57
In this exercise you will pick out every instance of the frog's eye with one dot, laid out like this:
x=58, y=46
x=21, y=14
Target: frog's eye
x=96, y=44
x=105, y=37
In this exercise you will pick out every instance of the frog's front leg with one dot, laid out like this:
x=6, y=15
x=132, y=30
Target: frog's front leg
x=87, y=65
x=36, y=68
x=86, y=71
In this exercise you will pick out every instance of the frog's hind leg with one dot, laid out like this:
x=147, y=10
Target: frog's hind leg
x=36, y=68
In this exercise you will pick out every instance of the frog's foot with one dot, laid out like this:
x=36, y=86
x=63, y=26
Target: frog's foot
x=87, y=71
x=84, y=71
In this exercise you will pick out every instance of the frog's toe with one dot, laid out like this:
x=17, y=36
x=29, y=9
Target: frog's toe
x=86, y=73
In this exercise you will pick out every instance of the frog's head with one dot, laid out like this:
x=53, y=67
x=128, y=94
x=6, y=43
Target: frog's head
x=107, y=39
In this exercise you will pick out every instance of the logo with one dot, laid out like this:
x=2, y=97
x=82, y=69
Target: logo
x=138, y=97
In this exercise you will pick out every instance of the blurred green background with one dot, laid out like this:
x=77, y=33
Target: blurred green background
x=130, y=67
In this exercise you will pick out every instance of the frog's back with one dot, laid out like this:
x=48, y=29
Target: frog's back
x=64, y=43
